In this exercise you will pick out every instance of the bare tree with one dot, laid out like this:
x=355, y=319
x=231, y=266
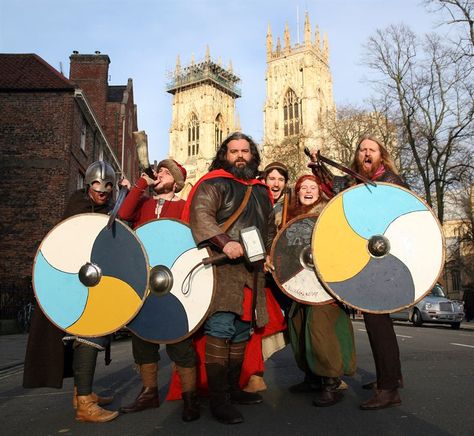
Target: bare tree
x=460, y=13
x=291, y=152
x=428, y=92
x=352, y=122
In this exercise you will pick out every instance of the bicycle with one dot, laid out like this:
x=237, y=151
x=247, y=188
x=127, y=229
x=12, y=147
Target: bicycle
x=23, y=317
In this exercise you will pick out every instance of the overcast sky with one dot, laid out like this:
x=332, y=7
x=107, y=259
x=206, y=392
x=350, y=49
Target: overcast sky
x=144, y=37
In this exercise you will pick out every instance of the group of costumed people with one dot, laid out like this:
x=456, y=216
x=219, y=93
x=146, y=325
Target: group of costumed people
x=250, y=318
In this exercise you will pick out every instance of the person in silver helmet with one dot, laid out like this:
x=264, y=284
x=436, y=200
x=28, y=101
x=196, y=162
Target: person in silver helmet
x=52, y=356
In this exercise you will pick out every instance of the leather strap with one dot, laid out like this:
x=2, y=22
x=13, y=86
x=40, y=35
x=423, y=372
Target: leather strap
x=238, y=211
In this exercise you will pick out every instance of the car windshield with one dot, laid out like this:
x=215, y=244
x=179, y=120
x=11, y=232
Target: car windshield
x=437, y=291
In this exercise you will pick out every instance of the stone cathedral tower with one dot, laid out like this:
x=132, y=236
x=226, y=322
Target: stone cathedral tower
x=203, y=112
x=299, y=97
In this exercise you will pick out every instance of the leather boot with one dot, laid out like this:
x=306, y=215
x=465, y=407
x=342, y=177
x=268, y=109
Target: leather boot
x=146, y=399
x=148, y=396
x=221, y=407
x=256, y=383
x=330, y=394
x=190, y=401
x=88, y=410
x=236, y=359
x=382, y=399
x=101, y=401
x=373, y=384
x=311, y=383
x=217, y=367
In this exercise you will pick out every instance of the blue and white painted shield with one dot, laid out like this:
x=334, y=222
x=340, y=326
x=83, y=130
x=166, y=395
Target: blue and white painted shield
x=176, y=313
x=378, y=249
x=87, y=279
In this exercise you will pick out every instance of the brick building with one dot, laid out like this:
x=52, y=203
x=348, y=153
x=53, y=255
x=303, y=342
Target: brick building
x=51, y=129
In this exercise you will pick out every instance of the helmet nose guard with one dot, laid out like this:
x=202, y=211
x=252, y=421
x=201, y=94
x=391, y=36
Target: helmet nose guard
x=100, y=172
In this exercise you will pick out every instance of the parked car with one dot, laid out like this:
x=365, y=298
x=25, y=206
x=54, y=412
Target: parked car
x=434, y=308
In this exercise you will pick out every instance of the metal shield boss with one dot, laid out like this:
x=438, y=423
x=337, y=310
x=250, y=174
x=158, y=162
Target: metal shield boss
x=378, y=249
x=180, y=290
x=292, y=257
x=90, y=280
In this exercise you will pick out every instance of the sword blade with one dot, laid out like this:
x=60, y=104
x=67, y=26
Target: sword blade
x=121, y=196
x=346, y=170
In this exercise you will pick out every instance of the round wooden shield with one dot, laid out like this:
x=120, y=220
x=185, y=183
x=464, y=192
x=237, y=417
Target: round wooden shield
x=90, y=280
x=179, y=294
x=292, y=257
x=378, y=249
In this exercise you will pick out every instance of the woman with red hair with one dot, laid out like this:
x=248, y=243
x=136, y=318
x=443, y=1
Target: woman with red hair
x=321, y=336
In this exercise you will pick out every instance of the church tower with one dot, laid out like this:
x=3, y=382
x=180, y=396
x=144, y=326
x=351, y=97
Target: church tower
x=203, y=113
x=299, y=96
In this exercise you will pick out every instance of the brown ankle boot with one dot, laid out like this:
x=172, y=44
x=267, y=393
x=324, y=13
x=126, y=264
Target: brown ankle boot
x=148, y=396
x=382, y=399
x=146, y=399
x=330, y=393
x=88, y=410
x=101, y=401
x=256, y=383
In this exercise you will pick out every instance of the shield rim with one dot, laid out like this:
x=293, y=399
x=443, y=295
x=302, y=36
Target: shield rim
x=443, y=253
x=272, y=252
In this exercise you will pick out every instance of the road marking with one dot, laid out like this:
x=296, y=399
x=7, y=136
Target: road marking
x=462, y=345
x=404, y=336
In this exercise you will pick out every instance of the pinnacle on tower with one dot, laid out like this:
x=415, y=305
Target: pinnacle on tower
x=326, y=45
x=278, y=48
x=307, y=30
x=287, y=38
x=269, y=41
x=230, y=68
x=192, y=59
x=317, y=38
x=208, y=54
x=177, y=69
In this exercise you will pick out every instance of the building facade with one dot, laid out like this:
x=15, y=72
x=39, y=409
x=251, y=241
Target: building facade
x=51, y=129
x=299, y=95
x=203, y=113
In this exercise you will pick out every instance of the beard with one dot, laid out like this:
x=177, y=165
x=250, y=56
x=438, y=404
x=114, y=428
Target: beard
x=164, y=188
x=247, y=172
x=368, y=172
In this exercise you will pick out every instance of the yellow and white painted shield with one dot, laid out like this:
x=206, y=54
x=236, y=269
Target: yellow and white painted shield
x=378, y=249
x=90, y=280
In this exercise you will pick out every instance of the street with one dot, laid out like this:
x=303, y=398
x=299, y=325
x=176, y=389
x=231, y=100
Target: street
x=437, y=364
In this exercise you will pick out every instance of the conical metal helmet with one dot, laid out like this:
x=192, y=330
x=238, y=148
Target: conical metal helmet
x=100, y=172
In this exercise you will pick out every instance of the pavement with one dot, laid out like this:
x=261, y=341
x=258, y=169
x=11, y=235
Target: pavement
x=13, y=346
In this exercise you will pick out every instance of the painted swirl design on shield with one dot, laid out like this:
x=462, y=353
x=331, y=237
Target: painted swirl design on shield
x=173, y=312
x=294, y=269
x=90, y=280
x=378, y=248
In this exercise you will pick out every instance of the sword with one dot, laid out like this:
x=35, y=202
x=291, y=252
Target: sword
x=121, y=196
x=339, y=167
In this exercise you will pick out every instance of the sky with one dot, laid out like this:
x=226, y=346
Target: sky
x=144, y=37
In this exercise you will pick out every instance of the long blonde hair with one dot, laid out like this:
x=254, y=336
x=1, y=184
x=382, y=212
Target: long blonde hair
x=387, y=160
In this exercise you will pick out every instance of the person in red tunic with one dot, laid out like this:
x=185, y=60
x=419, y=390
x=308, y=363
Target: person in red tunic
x=139, y=208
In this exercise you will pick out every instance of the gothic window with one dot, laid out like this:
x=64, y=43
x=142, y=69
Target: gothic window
x=291, y=114
x=193, y=136
x=218, y=128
